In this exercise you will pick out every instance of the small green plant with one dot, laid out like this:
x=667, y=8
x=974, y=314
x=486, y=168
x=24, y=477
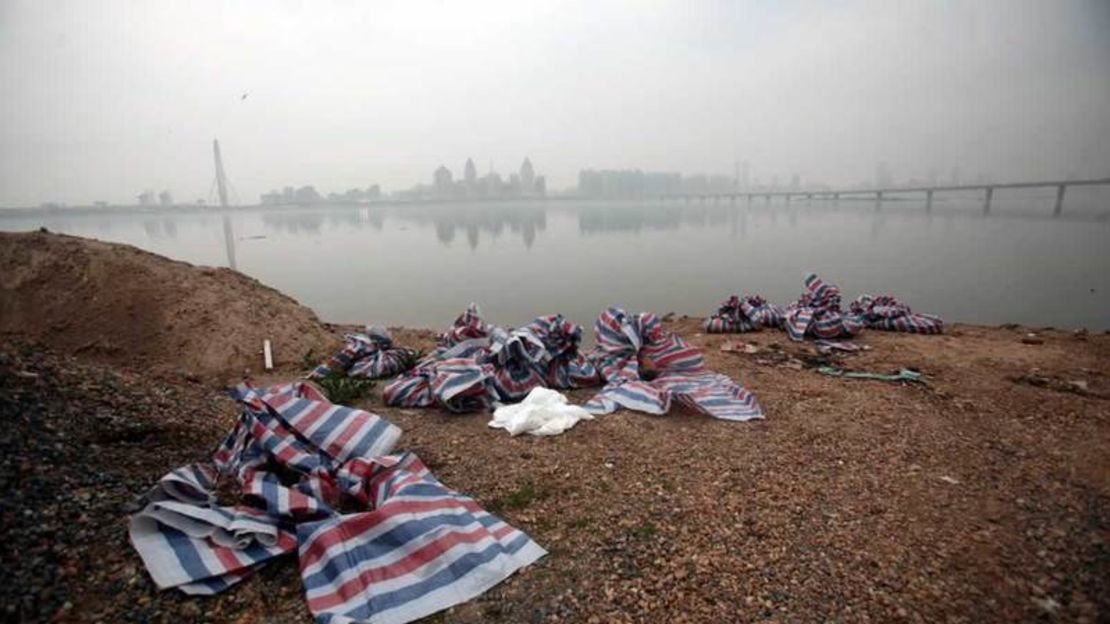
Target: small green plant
x=343, y=390
x=409, y=358
x=519, y=498
x=308, y=361
x=644, y=530
x=580, y=522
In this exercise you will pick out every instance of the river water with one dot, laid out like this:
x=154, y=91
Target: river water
x=419, y=265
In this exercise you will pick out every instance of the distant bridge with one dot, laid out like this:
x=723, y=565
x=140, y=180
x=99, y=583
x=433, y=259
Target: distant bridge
x=879, y=193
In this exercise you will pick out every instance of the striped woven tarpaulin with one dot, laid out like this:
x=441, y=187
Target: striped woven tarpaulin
x=645, y=366
x=468, y=326
x=887, y=313
x=566, y=367
x=416, y=549
x=369, y=355
x=422, y=547
x=478, y=364
x=817, y=313
x=743, y=314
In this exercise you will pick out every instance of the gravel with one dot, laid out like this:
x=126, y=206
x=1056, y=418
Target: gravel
x=973, y=498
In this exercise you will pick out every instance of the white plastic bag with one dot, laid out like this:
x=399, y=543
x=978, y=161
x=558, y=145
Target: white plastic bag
x=544, y=412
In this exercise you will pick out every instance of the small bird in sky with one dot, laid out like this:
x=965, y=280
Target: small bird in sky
x=244, y=97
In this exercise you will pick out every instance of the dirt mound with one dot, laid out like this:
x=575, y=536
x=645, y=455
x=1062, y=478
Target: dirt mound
x=120, y=304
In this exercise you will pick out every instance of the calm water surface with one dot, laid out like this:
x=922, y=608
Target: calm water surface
x=419, y=265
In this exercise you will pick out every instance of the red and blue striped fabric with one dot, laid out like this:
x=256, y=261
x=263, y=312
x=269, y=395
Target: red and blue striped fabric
x=422, y=548
x=455, y=376
x=454, y=379
x=468, y=326
x=565, y=367
x=743, y=314
x=817, y=313
x=887, y=313
x=418, y=548
x=478, y=364
x=645, y=366
x=517, y=359
x=370, y=355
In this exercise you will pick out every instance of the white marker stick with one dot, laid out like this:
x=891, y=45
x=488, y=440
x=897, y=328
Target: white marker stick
x=267, y=354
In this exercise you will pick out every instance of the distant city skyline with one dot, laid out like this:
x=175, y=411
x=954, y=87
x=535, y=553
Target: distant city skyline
x=596, y=183
x=105, y=100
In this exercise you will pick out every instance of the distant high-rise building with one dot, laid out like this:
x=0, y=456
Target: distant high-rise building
x=443, y=180
x=795, y=182
x=470, y=173
x=745, y=176
x=527, y=176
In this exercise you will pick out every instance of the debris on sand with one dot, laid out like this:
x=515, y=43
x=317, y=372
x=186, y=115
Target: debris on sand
x=1040, y=380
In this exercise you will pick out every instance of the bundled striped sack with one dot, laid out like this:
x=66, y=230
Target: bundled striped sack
x=743, y=314
x=887, y=313
x=565, y=367
x=457, y=384
x=370, y=355
x=478, y=363
x=468, y=326
x=817, y=313
x=424, y=546
x=456, y=376
x=645, y=367
x=517, y=359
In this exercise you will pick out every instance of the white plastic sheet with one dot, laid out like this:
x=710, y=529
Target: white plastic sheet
x=544, y=412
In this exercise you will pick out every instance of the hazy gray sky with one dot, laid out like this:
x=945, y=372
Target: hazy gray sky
x=103, y=99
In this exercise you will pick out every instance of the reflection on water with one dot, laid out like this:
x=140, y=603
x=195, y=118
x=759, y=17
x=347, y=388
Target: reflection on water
x=229, y=243
x=420, y=264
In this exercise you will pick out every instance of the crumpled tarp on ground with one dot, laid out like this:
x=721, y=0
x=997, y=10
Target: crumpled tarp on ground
x=817, y=313
x=645, y=366
x=370, y=355
x=417, y=547
x=544, y=412
x=477, y=364
x=887, y=313
x=743, y=314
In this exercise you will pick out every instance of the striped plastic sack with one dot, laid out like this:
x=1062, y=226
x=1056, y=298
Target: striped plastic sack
x=518, y=360
x=456, y=376
x=645, y=366
x=370, y=355
x=421, y=549
x=887, y=313
x=455, y=379
x=468, y=326
x=543, y=353
x=817, y=313
x=478, y=364
x=566, y=367
x=743, y=314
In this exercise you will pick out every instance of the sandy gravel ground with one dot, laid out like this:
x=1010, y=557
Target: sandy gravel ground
x=983, y=496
